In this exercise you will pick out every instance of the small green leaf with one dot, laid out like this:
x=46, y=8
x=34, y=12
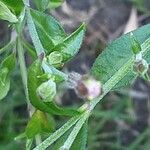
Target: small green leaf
x=34, y=72
x=6, y=14
x=41, y=5
x=119, y=54
x=38, y=124
x=5, y=69
x=4, y=82
x=55, y=3
x=135, y=45
x=49, y=30
x=15, y=6
x=9, y=62
x=70, y=46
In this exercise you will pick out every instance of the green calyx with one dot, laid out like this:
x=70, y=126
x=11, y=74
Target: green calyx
x=135, y=45
x=47, y=90
x=55, y=59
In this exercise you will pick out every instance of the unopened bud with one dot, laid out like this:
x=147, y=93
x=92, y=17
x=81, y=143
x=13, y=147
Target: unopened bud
x=85, y=86
x=55, y=59
x=135, y=45
x=47, y=90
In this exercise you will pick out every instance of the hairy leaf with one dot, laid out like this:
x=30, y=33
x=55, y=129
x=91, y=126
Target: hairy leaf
x=117, y=55
x=49, y=30
x=70, y=46
x=81, y=139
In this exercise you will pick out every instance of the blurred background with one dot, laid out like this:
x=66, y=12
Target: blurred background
x=121, y=120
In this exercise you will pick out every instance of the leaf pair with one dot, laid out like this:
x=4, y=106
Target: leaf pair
x=53, y=37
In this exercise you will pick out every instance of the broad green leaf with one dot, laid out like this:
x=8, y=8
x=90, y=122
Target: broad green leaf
x=70, y=46
x=49, y=30
x=6, y=14
x=38, y=123
x=118, y=54
x=81, y=139
x=55, y=3
x=15, y=6
x=6, y=67
x=34, y=72
x=41, y=5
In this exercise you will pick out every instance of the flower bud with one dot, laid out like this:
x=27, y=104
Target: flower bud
x=47, y=91
x=84, y=86
x=55, y=59
x=135, y=45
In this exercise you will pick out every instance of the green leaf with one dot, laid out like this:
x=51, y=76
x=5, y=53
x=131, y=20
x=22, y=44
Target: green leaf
x=117, y=55
x=34, y=72
x=7, y=47
x=4, y=82
x=15, y=6
x=70, y=46
x=5, y=69
x=6, y=14
x=55, y=3
x=57, y=134
x=68, y=143
x=9, y=62
x=49, y=30
x=81, y=139
x=34, y=34
x=41, y=5
x=38, y=124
